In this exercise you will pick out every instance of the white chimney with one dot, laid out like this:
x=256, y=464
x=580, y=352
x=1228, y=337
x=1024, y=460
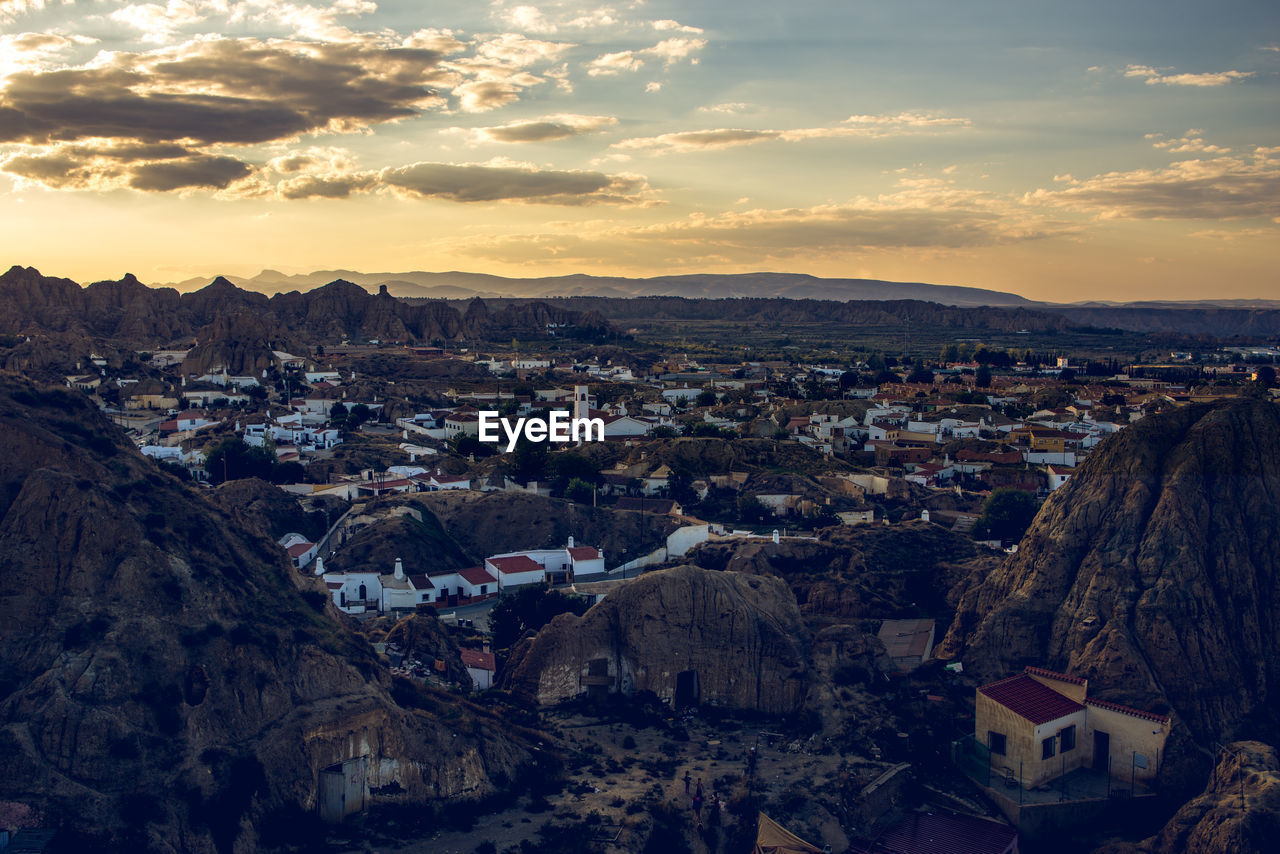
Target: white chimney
x=399, y=570
x=776, y=538
x=571, y=542
x=319, y=566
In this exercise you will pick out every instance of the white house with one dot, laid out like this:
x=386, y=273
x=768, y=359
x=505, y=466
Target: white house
x=1058, y=475
x=480, y=667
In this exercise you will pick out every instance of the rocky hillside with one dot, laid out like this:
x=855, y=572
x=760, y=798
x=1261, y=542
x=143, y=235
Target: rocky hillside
x=1239, y=810
x=489, y=523
x=164, y=683
x=128, y=313
x=1154, y=572
x=863, y=572
x=737, y=639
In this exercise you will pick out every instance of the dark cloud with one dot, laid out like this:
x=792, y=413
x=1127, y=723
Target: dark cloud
x=481, y=183
x=530, y=132
x=326, y=187
x=546, y=129
x=239, y=91
x=156, y=168
x=200, y=171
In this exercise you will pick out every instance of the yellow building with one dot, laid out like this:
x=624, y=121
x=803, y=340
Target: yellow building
x=1040, y=725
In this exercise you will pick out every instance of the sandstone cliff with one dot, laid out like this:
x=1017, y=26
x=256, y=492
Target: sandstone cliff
x=163, y=683
x=1154, y=572
x=129, y=314
x=686, y=634
x=1238, y=812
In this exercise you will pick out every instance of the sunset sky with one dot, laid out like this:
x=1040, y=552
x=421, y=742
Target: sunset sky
x=1063, y=151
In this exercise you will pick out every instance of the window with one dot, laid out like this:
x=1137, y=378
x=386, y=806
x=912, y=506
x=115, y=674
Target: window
x=484, y=588
x=996, y=741
x=1046, y=748
x=1067, y=739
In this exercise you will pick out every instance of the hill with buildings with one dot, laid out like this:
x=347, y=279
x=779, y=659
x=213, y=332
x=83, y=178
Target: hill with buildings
x=165, y=681
x=1154, y=573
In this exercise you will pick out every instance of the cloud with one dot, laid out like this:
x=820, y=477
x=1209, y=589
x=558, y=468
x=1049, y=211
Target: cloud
x=669, y=25
x=1218, y=188
x=1157, y=76
x=733, y=107
x=12, y=9
x=237, y=91
x=104, y=165
x=545, y=129
x=873, y=127
x=1192, y=142
x=202, y=170
x=668, y=51
x=338, y=186
x=34, y=51
x=476, y=182
x=610, y=64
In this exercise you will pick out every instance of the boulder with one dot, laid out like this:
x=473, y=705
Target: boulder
x=687, y=634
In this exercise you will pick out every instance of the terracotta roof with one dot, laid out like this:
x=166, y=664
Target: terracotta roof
x=584, y=553
x=1053, y=674
x=478, y=660
x=516, y=563
x=477, y=575
x=421, y=582
x=1127, y=710
x=1029, y=699
x=299, y=549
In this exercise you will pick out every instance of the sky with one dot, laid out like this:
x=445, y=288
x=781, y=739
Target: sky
x=1062, y=151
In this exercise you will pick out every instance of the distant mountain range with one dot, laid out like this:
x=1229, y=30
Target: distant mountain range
x=458, y=285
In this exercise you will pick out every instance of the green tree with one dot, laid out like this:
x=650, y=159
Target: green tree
x=529, y=609
x=1006, y=515
x=983, y=377
x=580, y=491
x=529, y=460
x=920, y=375
x=359, y=414
x=232, y=459
x=752, y=511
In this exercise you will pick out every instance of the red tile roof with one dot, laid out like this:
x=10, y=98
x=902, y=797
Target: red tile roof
x=477, y=575
x=299, y=549
x=421, y=582
x=1053, y=674
x=478, y=660
x=584, y=553
x=1027, y=698
x=1127, y=710
x=517, y=563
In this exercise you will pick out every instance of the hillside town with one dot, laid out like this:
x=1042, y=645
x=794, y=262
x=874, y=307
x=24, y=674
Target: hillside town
x=783, y=592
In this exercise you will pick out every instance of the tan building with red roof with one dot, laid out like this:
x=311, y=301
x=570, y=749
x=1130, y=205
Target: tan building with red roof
x=1040, y=725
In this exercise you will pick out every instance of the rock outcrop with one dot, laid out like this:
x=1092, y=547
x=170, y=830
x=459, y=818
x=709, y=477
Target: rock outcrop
x=132, y=315
x=689, y=635
x=1154, y=572
x=164, y=684
x=1239, y=810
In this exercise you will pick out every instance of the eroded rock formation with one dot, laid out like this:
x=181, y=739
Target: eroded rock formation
x=687, y=634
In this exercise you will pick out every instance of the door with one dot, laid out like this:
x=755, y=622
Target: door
x=1101, y=750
